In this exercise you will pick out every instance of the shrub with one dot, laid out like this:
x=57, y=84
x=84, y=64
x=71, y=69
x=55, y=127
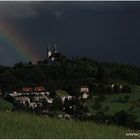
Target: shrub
x=107, y=108
x=126, y=89
x=97, y=104
x=57, y=103
x=99, y=117
x=126, y=98
x=117, y=89
x=122, y=118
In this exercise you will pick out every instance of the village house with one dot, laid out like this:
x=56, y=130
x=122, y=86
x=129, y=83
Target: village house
x=112, y=85
x=22, y=100
x=63, y=95
x=85, y=96
x=38, y=98
x=33, y=105
x=85, y=92
x=15, y=93
x=30, y=91
x=41, y=91
x=84, y=89
x=119, y=85
x=39, y=104
x=50, y=100
x=66, y=97
x=27, y=89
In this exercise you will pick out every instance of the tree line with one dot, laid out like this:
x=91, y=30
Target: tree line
x=68, y=74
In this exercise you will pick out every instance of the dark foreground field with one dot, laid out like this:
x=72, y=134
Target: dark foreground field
x=22, y=125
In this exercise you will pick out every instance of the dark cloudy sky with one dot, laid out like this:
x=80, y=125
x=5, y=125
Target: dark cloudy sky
x=108, y=31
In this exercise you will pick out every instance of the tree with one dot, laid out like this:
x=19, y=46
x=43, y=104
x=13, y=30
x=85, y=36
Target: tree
x=97, y=104
x=124, y=119
x=107, y=108
x=100, y=72
x=57, y=103
x=117, y=88
x=126, y=98
x=8, y=82
x=100, y=117
x=120, y=118
x=30, y=62
x=126, y=89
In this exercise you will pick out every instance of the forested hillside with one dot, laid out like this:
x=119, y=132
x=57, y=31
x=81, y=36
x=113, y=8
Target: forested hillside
x=68, y=74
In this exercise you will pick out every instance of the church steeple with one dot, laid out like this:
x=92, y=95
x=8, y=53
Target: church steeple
x=49, y=53
x=55, y=51
x=52, y=54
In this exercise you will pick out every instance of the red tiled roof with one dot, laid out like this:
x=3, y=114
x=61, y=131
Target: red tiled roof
x=39, y=89
x=27, y=89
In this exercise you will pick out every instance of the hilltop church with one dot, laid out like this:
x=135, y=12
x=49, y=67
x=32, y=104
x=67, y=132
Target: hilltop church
x=52, y=54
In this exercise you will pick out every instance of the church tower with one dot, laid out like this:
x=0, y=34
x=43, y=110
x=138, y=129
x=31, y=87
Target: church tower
x=52, y=54
x=49, y=53
x=55, y=51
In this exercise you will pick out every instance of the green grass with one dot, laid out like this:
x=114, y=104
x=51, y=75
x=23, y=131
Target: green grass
x=4, y=105
x=19, y=125
x=117, y=106
x=27, y=126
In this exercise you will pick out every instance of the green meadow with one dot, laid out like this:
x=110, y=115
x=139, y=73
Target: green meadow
x=112, y=101
x=29, y=126
x=4, y=105
x=20, y=125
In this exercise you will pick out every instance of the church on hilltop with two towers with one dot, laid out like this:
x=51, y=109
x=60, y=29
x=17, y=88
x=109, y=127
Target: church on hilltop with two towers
x=52, y=54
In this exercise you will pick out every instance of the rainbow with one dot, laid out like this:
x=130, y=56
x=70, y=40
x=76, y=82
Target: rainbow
x=14, y=41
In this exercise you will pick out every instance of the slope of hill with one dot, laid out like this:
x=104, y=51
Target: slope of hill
x=118, y=102
x=22, y=125
x=69, y=74
x=4, y=105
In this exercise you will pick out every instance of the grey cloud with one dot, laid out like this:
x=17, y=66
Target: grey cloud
x=17, y=9
x=32, y=9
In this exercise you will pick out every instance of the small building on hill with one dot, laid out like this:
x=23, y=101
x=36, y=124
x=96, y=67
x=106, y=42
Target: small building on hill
x=14, y=94
x=121, y=86
x=116, y=86
x=85, y=96
x=84, y=89
x=63, y=95
x=112, y=85
x=50, y=100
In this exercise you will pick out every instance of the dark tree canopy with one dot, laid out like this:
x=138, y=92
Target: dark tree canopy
x=69, y=74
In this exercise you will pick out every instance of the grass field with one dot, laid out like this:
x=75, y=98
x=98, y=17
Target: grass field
x=19, y=125
x=22, y=125
x=115, y=106
x=4, y=105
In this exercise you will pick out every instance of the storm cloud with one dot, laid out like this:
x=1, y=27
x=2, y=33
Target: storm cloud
x=106, y=31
